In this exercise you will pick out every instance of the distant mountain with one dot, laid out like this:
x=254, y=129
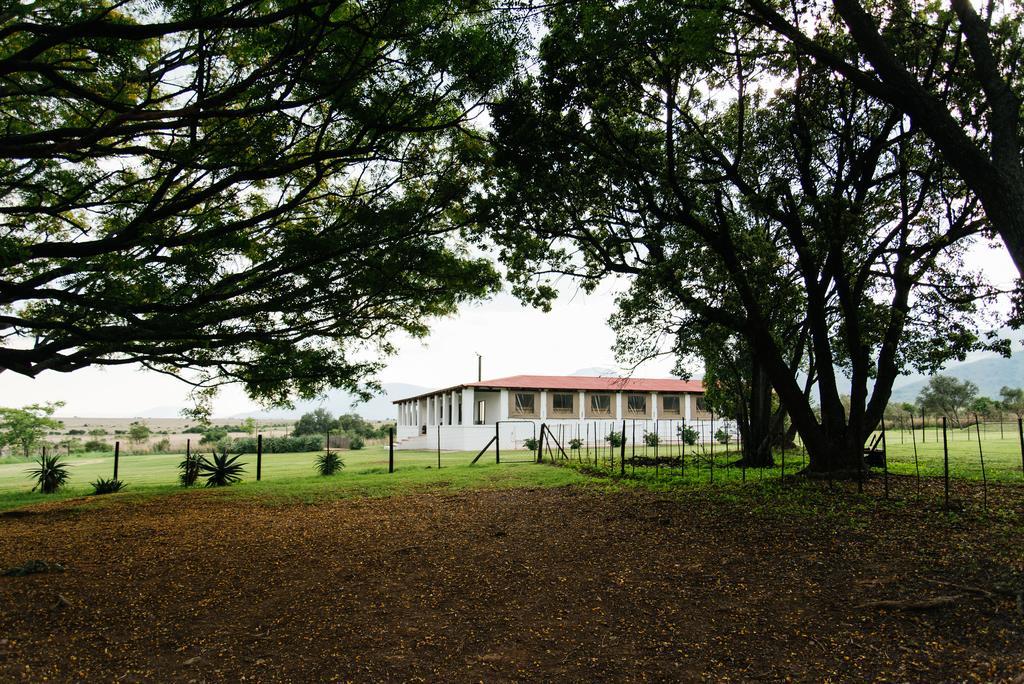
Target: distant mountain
x=338, y=402
x=989, y=374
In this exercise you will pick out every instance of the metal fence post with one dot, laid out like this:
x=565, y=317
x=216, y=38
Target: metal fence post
x=945, y=462
x=259, y=457
x=391, y=449
x=117, y=456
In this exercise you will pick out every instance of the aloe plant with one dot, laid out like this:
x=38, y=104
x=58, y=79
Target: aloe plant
x=222, y=470
x=51, y=475
x=104, y=486
x=329, y=463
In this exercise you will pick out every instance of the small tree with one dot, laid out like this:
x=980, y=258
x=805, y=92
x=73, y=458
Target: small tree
x=722, y=436
x=1013, y=400
x=138, y=433
x=318, y=422
x=25, y=427
x=945, y=395
x=249, y=426
x=688, y=434
x=651, y=439
x=614, y=438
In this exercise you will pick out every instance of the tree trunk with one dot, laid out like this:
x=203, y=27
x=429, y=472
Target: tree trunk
x=758, y=428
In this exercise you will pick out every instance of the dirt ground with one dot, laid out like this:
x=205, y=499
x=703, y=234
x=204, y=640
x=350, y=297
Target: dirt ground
x=558, y=584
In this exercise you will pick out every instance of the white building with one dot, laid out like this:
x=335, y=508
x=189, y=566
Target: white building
x=465, y=417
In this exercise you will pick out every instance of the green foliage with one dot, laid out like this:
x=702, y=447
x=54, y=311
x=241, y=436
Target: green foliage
x=332, y=170
x=1013, y=400
x=189, y=469
x=530, y=443
x=575, y=444
x=162, y=446
x=328, y=463
x=947, y=396
x=107, y=486
x=652, y=439
x=221, y=470
x=98, y=432
x=25, y=427
x=356, y=442
x=723, y=436
x=279, y=445
x=138, y=433
x=614, y=438
x=97, y=445
x=213, y=434
x=318, y=422
x=50, y=474
x=688, y=434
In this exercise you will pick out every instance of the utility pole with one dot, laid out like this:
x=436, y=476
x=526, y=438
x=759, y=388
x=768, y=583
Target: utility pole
x=479, y=367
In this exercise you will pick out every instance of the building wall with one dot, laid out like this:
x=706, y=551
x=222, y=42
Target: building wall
x=515, y=414
x=570, y=414
x=673, y=415
x=637, y=415
x=596, y=415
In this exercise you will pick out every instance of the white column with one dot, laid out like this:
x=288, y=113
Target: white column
x=503, y=409
x=455, y=408
x=442, y=412
x=543, y=404
x=618, y=406
x=583, y=409
x=654, y=405
x=468, y=406
x=686, y=407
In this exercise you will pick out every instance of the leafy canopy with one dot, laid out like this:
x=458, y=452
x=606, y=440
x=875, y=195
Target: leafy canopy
x=235, y=191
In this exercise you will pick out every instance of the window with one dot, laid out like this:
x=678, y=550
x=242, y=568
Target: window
x=524, y=402
x=636, y=403
x=670, y=404
x=561, y=402
x=701, y=404
x=601, y=403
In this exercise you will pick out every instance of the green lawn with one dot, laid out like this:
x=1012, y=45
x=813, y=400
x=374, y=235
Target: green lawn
x=292, y=477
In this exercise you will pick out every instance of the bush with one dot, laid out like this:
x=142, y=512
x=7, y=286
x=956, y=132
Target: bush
x=188, y=470
x=614, y=438
x=356, y=443
x=162, y=447
x=96, y=445
x=328, y=463
x=575, y=444
x=222, y=470
x=530, y=443
x=279, y=445
x=688, y=434
x=213, y=435
x=104, y=486
x=652, y=439
x=76, y=432
x=722, y=436
x=51, y=475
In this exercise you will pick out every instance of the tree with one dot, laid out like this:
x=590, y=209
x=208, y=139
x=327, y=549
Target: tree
x=25, y=427
x=138, y=433
x=235, y=191
x=945, y=395
x=810, y=222
x=954, y=72
x=1012, y=400
x=249, y=426
x=318, y=422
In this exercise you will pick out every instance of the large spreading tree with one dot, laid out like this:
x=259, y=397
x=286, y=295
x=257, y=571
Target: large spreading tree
x=737, y=184
x=253, y=192
x=954, y=69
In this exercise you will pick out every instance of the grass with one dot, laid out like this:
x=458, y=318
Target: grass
x=291, y=478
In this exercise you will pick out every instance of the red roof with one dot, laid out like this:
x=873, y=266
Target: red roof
x=577, y=382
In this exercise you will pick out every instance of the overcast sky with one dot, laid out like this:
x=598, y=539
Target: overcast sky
x=513, y=340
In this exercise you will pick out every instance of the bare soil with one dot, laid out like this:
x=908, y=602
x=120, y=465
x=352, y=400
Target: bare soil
x=556, y=584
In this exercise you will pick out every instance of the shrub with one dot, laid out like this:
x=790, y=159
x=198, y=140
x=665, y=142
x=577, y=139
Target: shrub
x=530, y=443
x=652, y=439
x=213, y=435
x=614, y=438
x=356, y=442
x=279, y=445
x=575, y=444
x=96, y=445
x=51, y=475
x=223, y=470
x=162, y=447
x=98, y=432
x=688, y=434
x=104, y=486
x=328, y=463
x=722, y=436
x=188, y=470
x=76, y=432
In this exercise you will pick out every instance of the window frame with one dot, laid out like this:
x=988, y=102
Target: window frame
x=631, y=410
x=600, y=395
x=554, y=404
x=533, y=403
x=678, y=401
